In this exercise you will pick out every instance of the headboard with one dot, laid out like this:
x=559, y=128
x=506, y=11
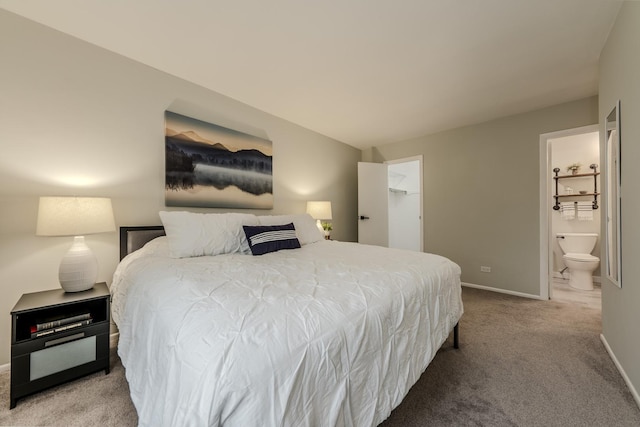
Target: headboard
x=133, y=238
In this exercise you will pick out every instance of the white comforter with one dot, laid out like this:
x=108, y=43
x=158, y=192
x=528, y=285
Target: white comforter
x=332, y=334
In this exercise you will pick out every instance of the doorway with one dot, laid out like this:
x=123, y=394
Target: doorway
x=561, y=150
x=390, y=203
x=405, y=204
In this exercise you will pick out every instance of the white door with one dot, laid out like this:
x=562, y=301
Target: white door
x=373, y=204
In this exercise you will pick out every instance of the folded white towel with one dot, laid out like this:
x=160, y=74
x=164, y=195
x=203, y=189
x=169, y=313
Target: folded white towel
x=568, y=210
x=585, y=211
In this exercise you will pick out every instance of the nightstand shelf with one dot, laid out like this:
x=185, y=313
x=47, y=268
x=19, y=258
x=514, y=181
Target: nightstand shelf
x=59, y=353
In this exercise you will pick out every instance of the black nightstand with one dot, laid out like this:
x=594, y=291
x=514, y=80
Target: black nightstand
x=74, y=343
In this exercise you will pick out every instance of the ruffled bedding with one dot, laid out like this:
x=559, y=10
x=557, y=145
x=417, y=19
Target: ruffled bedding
x=331, y=334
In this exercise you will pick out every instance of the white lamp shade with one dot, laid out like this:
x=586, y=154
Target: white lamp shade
x=74, y=216
x=319, y=210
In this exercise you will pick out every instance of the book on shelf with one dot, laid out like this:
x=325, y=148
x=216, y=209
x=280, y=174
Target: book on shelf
x=61, y=328
x=60, y=322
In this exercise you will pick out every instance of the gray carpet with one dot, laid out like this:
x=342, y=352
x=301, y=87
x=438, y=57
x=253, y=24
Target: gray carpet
x=521, y=362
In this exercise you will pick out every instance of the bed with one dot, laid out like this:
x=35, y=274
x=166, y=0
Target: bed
x=327, y=334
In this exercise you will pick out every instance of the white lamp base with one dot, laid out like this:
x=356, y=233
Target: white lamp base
x=79, y=267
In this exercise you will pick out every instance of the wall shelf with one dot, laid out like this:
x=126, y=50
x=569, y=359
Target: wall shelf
x=593, y=194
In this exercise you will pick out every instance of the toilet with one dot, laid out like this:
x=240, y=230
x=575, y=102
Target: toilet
x=577, y=257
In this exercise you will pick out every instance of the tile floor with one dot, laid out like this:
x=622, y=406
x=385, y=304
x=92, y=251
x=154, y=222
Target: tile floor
x=562, y=292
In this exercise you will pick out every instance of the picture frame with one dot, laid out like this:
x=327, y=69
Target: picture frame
x=210, y=166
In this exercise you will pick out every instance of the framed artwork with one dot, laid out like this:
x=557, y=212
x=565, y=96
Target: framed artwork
x=210, y=166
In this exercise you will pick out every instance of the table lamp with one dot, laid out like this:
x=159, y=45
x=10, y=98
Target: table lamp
x=75, y=216
x=321, y=211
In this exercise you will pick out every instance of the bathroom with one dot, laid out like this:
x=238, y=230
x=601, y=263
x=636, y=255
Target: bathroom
x=575, y=213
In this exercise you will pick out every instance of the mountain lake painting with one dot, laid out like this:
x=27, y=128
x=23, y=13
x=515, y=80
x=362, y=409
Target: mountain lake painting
x=214, y=167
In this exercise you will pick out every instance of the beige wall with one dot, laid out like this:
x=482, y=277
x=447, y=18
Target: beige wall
x=481, y=192
x=619, y=76
x=76, y=119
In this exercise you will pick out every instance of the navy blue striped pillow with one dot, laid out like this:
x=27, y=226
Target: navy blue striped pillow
x=271, y=238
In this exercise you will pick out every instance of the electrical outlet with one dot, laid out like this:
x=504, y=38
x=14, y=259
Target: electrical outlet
x=485, y=269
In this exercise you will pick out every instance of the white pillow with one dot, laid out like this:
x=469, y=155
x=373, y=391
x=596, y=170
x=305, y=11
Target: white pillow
x=196, y=234
x=306, y=228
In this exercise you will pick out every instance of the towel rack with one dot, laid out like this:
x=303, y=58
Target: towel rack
x=595, y=193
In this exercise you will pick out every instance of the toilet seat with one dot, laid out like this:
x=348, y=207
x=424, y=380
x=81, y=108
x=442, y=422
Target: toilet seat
x=580, y=257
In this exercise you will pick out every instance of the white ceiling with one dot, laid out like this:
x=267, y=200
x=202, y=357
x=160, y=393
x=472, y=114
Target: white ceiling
x=365, y=72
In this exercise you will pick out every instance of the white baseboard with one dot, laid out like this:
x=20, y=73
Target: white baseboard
x=613, y=357
x=502, y=291
x=5, y=367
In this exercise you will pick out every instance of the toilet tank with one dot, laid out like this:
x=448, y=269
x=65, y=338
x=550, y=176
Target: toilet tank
x=578, y=243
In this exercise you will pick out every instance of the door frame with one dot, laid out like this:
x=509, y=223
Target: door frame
x=420, y=159
x=546, y=194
